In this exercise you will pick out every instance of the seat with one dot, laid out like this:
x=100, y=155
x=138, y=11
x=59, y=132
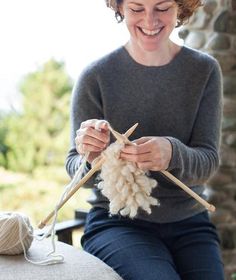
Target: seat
x=78, y=265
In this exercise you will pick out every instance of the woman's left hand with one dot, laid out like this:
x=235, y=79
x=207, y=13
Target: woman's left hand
x=149, y=153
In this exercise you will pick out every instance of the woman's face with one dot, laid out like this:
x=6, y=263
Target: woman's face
x=150, y=22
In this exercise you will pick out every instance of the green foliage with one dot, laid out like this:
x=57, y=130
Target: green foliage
x=3, y=145
x=34, y=143
x=233, y=276
x=39, y=135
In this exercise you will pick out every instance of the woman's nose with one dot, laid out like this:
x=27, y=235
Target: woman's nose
x=151, y=19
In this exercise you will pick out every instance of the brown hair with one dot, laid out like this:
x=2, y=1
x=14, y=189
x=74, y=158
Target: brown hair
x=186, y=9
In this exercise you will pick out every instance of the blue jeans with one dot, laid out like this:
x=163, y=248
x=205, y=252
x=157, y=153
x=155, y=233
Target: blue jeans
x=140, y=250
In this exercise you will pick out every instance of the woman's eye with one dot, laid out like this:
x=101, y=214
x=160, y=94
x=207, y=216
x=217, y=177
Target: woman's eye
x=162, y=10
x=136, y=10
x=157, y=10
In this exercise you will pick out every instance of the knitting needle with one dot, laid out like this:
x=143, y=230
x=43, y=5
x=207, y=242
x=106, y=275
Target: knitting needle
x=207, y=205
x=94, y=169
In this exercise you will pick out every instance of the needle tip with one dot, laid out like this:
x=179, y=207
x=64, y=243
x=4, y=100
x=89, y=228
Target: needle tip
x=211, y=208
x=131, y=130
x=41, y=225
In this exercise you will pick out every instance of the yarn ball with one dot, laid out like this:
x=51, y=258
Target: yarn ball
x=125, y=185
x=16, y=233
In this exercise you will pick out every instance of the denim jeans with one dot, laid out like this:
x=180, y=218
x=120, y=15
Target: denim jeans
x=140, y=250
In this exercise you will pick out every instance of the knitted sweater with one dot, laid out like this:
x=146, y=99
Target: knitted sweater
x=181, y=100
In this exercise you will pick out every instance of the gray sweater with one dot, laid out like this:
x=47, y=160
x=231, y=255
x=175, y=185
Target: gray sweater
x=181, y=101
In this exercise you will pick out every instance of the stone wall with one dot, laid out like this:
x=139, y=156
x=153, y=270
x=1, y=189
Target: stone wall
x=213, y=30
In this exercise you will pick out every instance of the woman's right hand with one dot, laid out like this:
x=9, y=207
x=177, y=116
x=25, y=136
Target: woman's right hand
x=93, y=136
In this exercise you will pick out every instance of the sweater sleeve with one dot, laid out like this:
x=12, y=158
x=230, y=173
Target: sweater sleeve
x=197, y=161
x=85, y=104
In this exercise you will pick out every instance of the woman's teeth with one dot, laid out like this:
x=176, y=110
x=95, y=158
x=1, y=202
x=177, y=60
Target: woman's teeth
x=150, y=32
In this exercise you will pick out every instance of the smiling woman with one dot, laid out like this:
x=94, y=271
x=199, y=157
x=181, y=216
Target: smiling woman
x=151, y=79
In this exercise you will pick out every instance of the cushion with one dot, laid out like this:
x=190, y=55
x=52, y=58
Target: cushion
x=78, y=265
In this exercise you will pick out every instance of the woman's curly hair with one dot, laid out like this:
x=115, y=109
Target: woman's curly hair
x=186, y=9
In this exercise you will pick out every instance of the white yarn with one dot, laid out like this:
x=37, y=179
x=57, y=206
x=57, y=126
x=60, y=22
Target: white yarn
x=126, y=186
x=13, y=225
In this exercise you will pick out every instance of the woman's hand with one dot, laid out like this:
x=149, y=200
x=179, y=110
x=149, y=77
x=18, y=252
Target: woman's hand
x=93, y=136
x=149, y=153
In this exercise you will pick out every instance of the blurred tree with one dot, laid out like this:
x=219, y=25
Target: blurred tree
x=39, y=135
x=3, y=146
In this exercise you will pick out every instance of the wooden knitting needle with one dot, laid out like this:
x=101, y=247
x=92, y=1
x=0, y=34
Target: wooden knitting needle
x=207, y=205
x=94, y=169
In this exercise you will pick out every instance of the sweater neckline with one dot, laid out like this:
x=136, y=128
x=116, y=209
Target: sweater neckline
x=165, y=66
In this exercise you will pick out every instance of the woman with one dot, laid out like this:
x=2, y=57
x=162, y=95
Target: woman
x=175, y=94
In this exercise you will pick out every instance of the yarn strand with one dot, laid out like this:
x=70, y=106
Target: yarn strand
x=60, y=258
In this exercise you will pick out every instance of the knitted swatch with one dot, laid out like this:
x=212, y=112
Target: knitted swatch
x=126, y=186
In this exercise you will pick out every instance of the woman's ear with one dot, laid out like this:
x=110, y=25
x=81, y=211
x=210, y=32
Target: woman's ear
x=120, y=9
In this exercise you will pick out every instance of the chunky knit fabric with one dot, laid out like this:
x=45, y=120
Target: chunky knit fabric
x=181, y=101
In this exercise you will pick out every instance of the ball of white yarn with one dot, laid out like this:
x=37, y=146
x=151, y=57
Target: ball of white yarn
x=15, y=232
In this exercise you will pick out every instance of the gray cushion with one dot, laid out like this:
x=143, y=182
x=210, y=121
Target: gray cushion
x=78, y=265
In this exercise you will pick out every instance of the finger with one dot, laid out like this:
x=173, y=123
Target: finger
x=102, y=136
x=88, y=140
x=137, y=148
x=141, y=140
x=84, y=148
x=101, y=125
x=80, y=149
x=99, y=135
x=89, y=148
x=130, y=149
x=145, y=165
x=95, y=123
x=136, y=157
x=87, y=123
